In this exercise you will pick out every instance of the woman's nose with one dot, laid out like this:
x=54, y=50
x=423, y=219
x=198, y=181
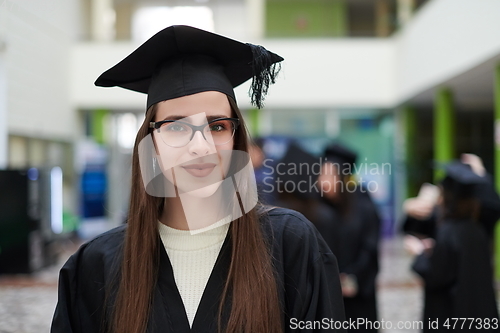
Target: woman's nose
x=200, y=146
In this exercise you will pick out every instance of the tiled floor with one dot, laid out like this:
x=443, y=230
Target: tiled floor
x=27, y=302
x=26, y=309
x=399, y=290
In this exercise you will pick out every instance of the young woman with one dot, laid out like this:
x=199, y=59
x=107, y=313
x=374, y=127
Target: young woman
x=198, y=253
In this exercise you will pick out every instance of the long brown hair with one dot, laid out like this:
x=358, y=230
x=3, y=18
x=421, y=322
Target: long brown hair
x=251, y=283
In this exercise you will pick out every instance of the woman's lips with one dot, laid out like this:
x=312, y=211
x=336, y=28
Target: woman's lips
x=199, y=170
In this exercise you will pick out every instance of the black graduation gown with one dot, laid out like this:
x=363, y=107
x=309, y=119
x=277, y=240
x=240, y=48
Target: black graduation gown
x=354, y=241
x=458, y=276
x=489, y=201
x=307, y=272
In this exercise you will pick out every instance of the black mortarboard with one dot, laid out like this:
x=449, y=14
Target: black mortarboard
x=182, y=60
x=461, y=181
x=340, y=154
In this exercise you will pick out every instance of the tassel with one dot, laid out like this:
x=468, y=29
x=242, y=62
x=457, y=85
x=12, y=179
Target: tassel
x=265, y=70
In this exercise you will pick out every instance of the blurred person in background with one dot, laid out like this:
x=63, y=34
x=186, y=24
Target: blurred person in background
x=267, y=270
x=294, y=181
x=456, y=264
x=350, y=224
x=421, y=213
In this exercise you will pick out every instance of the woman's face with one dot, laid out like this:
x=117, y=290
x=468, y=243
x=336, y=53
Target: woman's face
x=200, y=165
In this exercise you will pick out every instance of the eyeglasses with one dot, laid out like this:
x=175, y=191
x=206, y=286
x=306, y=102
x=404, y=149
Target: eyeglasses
x=177, y=133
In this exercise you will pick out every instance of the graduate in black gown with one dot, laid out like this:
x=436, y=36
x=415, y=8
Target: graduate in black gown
x=349, y=223
x=456, y=266
x=271, y=271
x=421, y=213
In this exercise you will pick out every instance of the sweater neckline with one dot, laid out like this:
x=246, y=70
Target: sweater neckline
x=193, y=240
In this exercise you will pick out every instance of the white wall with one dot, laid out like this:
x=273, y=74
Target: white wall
x=38, y=38
x=331, y=73
x=88, y=61
x=231, y=19
x=315, y=73
x=444, y=39
x=3, y=115
x=3, y=91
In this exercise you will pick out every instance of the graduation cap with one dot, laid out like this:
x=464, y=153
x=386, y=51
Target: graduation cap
x=341, y=155
x=182, y=60
x=461, y=181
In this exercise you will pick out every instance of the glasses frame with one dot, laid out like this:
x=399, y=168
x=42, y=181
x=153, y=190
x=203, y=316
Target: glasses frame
x=157, y=124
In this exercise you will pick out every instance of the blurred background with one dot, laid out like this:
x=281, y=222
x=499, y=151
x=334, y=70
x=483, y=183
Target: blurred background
x=402, y=82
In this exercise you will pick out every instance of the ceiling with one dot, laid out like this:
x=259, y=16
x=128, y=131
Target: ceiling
x=472, y=90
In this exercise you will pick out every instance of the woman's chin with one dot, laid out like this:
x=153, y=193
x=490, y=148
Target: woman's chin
x=204, y=192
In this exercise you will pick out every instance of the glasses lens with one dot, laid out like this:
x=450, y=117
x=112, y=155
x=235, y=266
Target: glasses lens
x=221, y=131
x=176, y=134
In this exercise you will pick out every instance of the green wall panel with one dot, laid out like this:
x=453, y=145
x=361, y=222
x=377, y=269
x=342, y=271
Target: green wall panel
x=310, y=18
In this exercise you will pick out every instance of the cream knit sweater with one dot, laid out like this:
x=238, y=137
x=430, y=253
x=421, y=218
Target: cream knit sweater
x=193, y=257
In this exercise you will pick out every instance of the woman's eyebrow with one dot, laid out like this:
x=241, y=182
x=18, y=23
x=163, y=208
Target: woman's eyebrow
x=188, y=119
x=210, y=118
x=174, y=117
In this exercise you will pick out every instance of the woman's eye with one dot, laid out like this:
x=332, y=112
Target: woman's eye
x=175, y=128
x=217, y=127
